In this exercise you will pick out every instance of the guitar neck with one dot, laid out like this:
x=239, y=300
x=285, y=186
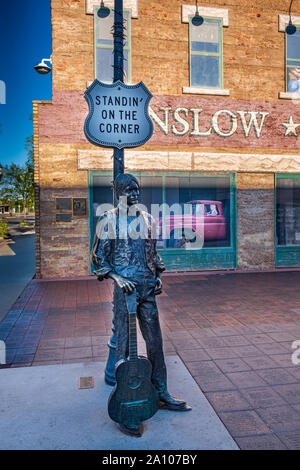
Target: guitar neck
x=132, y=337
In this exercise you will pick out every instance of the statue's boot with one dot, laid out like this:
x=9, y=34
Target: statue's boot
x=167, y=402
x=133, y=430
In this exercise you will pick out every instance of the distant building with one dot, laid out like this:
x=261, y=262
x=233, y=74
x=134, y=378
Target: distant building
x=226, y=114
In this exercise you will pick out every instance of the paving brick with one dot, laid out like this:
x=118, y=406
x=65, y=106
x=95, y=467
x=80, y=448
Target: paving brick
x=284, y=336
x=259, y=339
x=262, y=397
x=191, y=355
x=236, y=341
x=221, y=353
x=246, y=379
x=281, y=418
x=290, y=439
x=213, y=384
x=260, y=362
x=283, y=360
x=228, y=401
x=212, y=342
x=49, y=354
x=290, y=393
x=78, y=353
x=186, y=344
x=23, y=358
x=232, y=365
x=244, y=423
x=204, y=368
x=276, y=376
x=78, y=342
x=100, y=340
x=225, y=331
x=246, y=351
x=271, y=348
x=52, y=343
x=270, y=442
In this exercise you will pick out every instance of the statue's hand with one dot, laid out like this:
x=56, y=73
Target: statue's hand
x=125, y=284
x=158, y=286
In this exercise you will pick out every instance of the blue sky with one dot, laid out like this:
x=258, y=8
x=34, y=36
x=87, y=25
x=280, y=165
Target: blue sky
x=25, y=38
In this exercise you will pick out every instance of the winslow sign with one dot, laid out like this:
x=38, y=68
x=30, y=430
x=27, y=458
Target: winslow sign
x=217, y=122
x=118, y=114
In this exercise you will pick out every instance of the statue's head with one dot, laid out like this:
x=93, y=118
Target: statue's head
x=128, y=186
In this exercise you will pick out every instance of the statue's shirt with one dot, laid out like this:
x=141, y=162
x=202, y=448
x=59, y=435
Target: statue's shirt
x=125, y=253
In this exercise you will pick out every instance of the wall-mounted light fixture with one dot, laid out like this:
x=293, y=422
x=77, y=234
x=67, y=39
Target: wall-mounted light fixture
x=103, y=11
x=291, y=28
x=43, y=68
x=197, y=20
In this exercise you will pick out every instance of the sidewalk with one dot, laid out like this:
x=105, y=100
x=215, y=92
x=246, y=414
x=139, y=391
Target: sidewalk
x=233, y=332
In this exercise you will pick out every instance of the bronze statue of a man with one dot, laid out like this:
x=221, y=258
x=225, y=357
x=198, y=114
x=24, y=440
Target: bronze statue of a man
x=133, y=263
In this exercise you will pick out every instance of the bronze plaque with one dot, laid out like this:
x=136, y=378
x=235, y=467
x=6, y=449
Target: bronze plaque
x=86, y=382
x=63, y=217
x=63, y=204
x=79, y=207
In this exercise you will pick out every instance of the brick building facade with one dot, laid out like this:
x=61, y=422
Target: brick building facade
x=226, y=112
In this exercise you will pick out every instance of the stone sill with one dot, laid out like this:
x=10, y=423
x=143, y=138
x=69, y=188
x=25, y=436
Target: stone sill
x=89, y=82
x=287, y=95
x=205, y=91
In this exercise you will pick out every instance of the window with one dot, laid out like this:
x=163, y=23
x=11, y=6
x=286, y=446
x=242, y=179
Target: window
x=288, y=210
x=104, y=45
x=287, y=246
x=206, y=50
x=195, y=214
x=293, y=62
x=206, y=54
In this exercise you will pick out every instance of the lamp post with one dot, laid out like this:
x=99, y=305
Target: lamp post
x=118, y=33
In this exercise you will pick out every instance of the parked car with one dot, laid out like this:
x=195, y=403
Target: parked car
x=205, y=221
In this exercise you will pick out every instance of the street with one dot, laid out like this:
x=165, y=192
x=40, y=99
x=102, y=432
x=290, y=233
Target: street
x=17, y=265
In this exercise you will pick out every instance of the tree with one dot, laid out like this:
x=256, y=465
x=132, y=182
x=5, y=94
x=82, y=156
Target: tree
x=17, y=184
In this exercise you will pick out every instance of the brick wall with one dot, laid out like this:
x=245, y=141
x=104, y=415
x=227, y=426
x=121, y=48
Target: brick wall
x=253, y=57
x=255, y=220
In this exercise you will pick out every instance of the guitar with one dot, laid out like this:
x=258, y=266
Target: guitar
x=134, y=397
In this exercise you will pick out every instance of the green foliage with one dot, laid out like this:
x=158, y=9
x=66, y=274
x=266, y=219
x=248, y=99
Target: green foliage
x=17, y=185
x=26, y=224
x=3, y=229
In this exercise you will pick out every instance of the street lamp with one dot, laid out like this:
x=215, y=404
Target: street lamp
x=103, y=11
x=291, y=28
x=43, y=68
x=197, y=20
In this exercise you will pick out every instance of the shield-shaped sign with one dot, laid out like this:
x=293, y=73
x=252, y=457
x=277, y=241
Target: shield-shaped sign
x=118, y=114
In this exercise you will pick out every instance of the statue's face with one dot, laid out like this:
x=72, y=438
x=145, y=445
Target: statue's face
x=132, y=192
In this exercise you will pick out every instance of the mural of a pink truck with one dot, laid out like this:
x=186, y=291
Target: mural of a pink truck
x=205, y=221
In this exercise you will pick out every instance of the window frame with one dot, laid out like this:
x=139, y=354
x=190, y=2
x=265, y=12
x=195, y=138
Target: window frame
x=207, y=54
x=287, y=59
x=102, y=46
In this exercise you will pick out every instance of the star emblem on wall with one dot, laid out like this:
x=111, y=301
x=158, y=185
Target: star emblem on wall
x=290, y=127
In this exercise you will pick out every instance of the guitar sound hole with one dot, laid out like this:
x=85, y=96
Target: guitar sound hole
x=134, y=382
